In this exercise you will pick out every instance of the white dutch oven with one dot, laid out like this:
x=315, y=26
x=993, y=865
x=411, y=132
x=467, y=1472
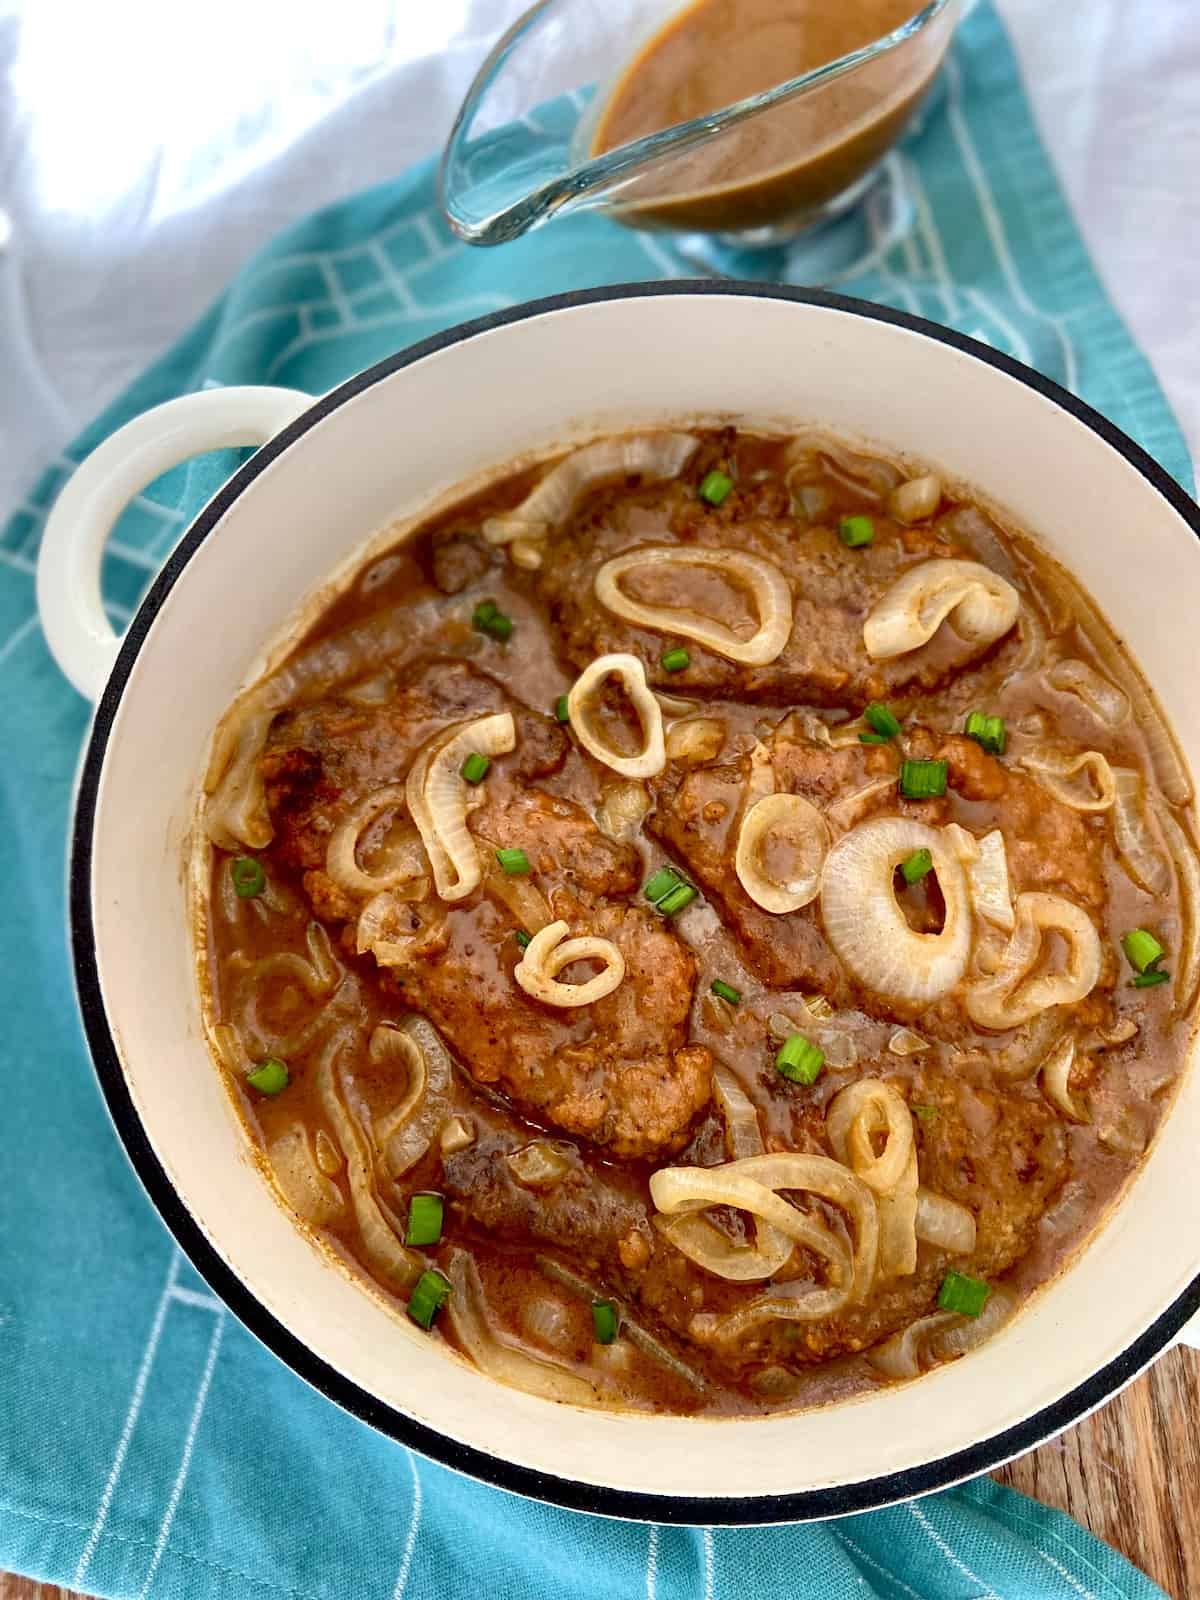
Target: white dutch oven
x=381, y=447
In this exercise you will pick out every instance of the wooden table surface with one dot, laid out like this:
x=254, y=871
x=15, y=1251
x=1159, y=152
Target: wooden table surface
x=1130, y=1473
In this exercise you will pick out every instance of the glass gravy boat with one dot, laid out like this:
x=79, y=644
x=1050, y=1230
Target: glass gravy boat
x=795, y=182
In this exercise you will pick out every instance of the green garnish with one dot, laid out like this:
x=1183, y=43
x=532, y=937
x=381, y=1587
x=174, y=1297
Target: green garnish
x=429, y=1295
x=882, y=718
x=726, y=991
x=715, y=487
x=923, y=780
x=967, y=1296
x=987, y=731
x=523, y=939
x=873, y=738
x=660, y=883
x=916, y=866
x=515, y=862
x=856, y=531
x=924, y=1113
x=799, y=1060
x=269, y=1077
x=560, y=709
x=680, y=896
x=604, y=1321
x=424, y=1219
x=1149, y=980
x=1142, y=950
x=475, y=768
x=488, y=618
x=675, y=660
x=249, y=879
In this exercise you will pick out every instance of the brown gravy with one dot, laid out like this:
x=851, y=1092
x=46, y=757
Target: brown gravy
x=986, y=1136
x=785, y=162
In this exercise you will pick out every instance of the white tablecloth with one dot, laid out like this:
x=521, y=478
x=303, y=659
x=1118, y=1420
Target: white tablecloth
x=146, y=149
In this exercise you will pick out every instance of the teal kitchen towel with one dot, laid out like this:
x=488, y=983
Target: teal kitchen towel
x=148, y=1445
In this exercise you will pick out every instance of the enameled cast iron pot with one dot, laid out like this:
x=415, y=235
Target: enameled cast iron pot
x=381, y=447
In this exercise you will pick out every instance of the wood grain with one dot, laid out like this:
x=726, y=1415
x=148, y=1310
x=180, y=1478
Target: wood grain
x=1130, y=1473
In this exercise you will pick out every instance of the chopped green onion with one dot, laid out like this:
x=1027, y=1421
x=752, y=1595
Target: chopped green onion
x=924, y=1113
x=681, y=895
x=916, y=866
x=715, y=487
x=269, y=1077
x=1142, y=950
x=967, y=1296
x=523, y=939
x=800, y=1060
x=855, y=531
x=923, y=780
x=249, y=879
x=726, y=991
x=604, y=1321
x=1148, y=980
x=560, y=709
x=488, y=618
x=661, y=883
x=515, y=862
x=873, y=738
x=883, y=719
x=987, y=731
x=424, y=1219
x=675, y=660
x=429, y=1295
x=475, y=768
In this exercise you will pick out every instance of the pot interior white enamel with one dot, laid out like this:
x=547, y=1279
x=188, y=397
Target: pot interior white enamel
x=382, y=448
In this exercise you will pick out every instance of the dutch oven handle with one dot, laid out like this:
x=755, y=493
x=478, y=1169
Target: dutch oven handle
x=81, y=638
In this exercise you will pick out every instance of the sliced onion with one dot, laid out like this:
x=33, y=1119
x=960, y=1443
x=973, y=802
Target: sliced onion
x=1187, y=873
x=743, y=1135
x=237, y=809
x=866, y=925
x=981, y=607
x=1138, y=854
x=763, y=580
x=970, y=1332
x=1056, y=1078
x=539, y=1165
x=622, y=809
x=456, y=1134
x=986, y=863
x=858, y=1112
x=1024, y=1056
x=551, y=501
x=904, y=1354
x=807, y=831
x=315, y=1198
x=917, y=499
x=408, y=876
x=944, y=1223
x=397, y=1266
x=438, y=795
x=385, y=930
x=1094, y=787
x=850, y=810
x=904, y=1042
x=810, y=455
x=405, y=1133
x=1165, y=758
x=1015, y=994
x=318, y=976
x=855, y=1115
x=695, y=739
x=549, y=951
x=1103, y=699
x=526, y=553
x=1032, y=634
x=652, y=758
x=529, y=906
x=467, y=1313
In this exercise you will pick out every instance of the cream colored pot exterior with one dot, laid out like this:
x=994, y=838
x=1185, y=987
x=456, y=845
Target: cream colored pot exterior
x=380, y=449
